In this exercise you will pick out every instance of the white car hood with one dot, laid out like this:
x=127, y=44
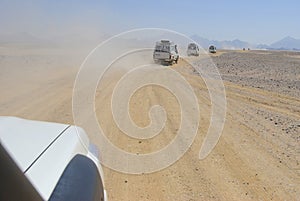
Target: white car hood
x=25, y=140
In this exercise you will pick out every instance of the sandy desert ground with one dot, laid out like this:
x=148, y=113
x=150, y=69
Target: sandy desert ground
x=256, y=158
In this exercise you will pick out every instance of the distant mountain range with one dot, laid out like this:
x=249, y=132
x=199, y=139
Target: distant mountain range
x=287, y=43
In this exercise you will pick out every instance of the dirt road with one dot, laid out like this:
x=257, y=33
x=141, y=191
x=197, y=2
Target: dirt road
x=256, y=158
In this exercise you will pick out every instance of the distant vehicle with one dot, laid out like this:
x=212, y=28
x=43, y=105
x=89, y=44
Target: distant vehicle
x=165, y=52
x=212, y=49
x=58, y=161
x=193, y=50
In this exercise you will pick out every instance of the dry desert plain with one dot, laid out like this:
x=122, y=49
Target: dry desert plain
x=256, y=158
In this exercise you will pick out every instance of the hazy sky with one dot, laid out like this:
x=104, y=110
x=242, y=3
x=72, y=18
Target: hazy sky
x=255, y=21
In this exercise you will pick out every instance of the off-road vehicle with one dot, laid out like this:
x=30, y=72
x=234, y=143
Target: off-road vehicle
x=165, y=51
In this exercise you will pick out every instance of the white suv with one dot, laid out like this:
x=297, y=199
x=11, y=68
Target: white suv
x=165, y=51
x=212, y=49
x=58, y=161
x=193, y=49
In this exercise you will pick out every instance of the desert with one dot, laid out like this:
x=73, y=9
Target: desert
x=256, y=158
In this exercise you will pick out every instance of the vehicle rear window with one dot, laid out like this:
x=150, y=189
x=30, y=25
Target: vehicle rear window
x=192, y=46
x=162, y=48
